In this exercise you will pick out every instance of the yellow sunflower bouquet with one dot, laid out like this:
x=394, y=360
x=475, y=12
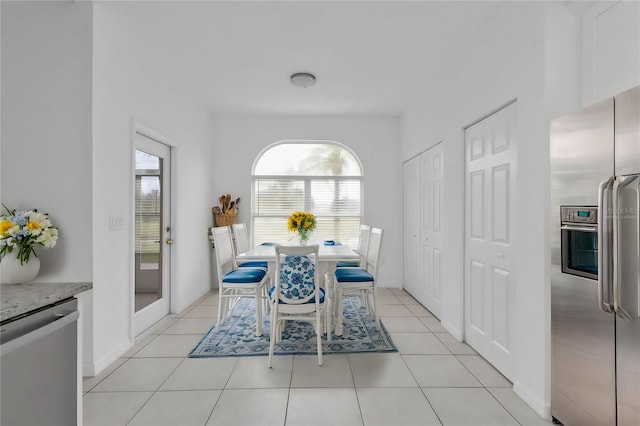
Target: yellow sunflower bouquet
x=302, y=223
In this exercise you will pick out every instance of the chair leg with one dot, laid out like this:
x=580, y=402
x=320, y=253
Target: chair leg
x=339, y=314
x=272, y=337
x=259, y=300
x=265, y=297
x=327, y=319
x=220, y=306
x=319, y=336
x=364, y=301
x=279, y=325
x=375, y=309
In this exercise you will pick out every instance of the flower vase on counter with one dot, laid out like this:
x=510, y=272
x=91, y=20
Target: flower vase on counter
x=20, y=232
x=12, y=271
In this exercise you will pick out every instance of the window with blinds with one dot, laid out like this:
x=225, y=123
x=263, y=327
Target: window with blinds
x=323, y=178
x=148, y=207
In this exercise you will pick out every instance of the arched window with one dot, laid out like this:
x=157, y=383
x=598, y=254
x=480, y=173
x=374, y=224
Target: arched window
x=321, y=177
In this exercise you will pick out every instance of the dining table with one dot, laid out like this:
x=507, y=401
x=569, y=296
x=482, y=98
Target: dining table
x=328, y=256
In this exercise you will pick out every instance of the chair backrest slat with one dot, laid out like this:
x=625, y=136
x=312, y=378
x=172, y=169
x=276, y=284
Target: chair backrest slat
x=242, y=237
x=363, y=242
x=223, y=249
x=373, y=252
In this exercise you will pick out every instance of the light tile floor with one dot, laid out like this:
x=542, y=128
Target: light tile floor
x=433, y=380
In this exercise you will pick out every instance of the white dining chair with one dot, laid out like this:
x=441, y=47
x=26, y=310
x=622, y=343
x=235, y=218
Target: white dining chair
x=235, y=283
x=363, y=245
x=359, y=281
x=296, y=294
x=242, y=244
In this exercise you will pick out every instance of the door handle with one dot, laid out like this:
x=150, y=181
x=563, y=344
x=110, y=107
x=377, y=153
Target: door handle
x=604, y=261
x=169, y=241
x=629, y=182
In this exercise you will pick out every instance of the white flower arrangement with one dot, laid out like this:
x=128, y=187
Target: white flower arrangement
x=23, y=230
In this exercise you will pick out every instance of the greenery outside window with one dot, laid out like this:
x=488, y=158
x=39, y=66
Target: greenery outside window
x=324, y=178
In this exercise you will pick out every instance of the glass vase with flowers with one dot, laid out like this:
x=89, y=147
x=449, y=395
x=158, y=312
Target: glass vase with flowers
x=302, y=223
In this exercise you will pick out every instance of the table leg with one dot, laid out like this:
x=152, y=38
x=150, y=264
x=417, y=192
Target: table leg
x=328, y=290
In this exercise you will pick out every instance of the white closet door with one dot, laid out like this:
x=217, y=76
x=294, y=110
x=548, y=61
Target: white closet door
x=411, y=238
x=490, y=148
x=431, y=229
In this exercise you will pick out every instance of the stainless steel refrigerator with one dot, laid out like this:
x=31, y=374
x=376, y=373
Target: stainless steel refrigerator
x=595, y=258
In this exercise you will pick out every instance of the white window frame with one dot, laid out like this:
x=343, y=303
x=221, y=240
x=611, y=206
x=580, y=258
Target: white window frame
x=307, y=179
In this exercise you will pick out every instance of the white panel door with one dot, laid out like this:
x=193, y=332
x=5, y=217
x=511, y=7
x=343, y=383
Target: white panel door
x=411, y=237
x=431, y=229
x=490, y=160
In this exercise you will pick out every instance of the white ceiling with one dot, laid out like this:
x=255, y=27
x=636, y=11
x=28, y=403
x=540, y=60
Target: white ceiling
x=369, y=57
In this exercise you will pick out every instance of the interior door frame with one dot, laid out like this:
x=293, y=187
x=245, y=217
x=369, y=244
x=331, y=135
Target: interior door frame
x=150, y=133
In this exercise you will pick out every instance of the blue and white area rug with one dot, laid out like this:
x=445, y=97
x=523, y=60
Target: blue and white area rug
x=236, y=337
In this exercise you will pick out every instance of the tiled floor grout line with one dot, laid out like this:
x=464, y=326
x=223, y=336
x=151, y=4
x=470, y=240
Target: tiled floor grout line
x=502, y=405
x=214, y=407
x=431, y=405
x=141, y=407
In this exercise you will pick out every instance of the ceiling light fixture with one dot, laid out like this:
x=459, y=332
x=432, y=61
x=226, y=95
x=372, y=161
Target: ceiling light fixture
x=303, y=79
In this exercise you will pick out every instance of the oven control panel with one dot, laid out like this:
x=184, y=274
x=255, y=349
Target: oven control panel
x=587, y=215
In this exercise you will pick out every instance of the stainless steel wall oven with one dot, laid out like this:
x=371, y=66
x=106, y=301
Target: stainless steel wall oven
x=579, y=229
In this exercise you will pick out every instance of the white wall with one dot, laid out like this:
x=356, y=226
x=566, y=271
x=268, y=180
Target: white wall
x=46, y=132
x=130, y=85
x=510, y=59
x=375, y=140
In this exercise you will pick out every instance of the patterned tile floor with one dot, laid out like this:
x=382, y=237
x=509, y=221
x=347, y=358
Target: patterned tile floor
x=433, y=380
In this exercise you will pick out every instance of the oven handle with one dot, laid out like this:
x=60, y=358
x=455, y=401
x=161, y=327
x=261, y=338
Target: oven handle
x=591, y=229
x=604, y=262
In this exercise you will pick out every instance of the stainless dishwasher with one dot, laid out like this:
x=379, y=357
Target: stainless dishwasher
x=38, y=367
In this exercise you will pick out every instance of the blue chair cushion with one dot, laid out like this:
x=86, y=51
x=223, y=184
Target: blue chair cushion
x=246, y=276
x=312, y=300
x=354, y=275
x=347, y=264
x=254, y=264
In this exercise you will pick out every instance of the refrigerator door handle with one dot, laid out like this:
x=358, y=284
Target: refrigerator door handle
x=604, y=236
x=623, y=211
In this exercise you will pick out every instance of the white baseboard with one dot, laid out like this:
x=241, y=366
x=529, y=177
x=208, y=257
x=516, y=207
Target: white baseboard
x=542, y=408
x=88, y=369
x=453, y=330
x=389, y=285
x=106, y=360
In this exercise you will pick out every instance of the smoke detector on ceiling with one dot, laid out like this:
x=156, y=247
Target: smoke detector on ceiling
x=303, y=79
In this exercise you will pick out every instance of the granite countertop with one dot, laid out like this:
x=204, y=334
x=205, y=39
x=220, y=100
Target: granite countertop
x=18, y=299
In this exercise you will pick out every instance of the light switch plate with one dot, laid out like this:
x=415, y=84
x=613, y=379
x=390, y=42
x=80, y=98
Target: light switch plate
x=115, y=223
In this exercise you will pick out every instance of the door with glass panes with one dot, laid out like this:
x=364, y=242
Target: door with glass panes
x=152, y=254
